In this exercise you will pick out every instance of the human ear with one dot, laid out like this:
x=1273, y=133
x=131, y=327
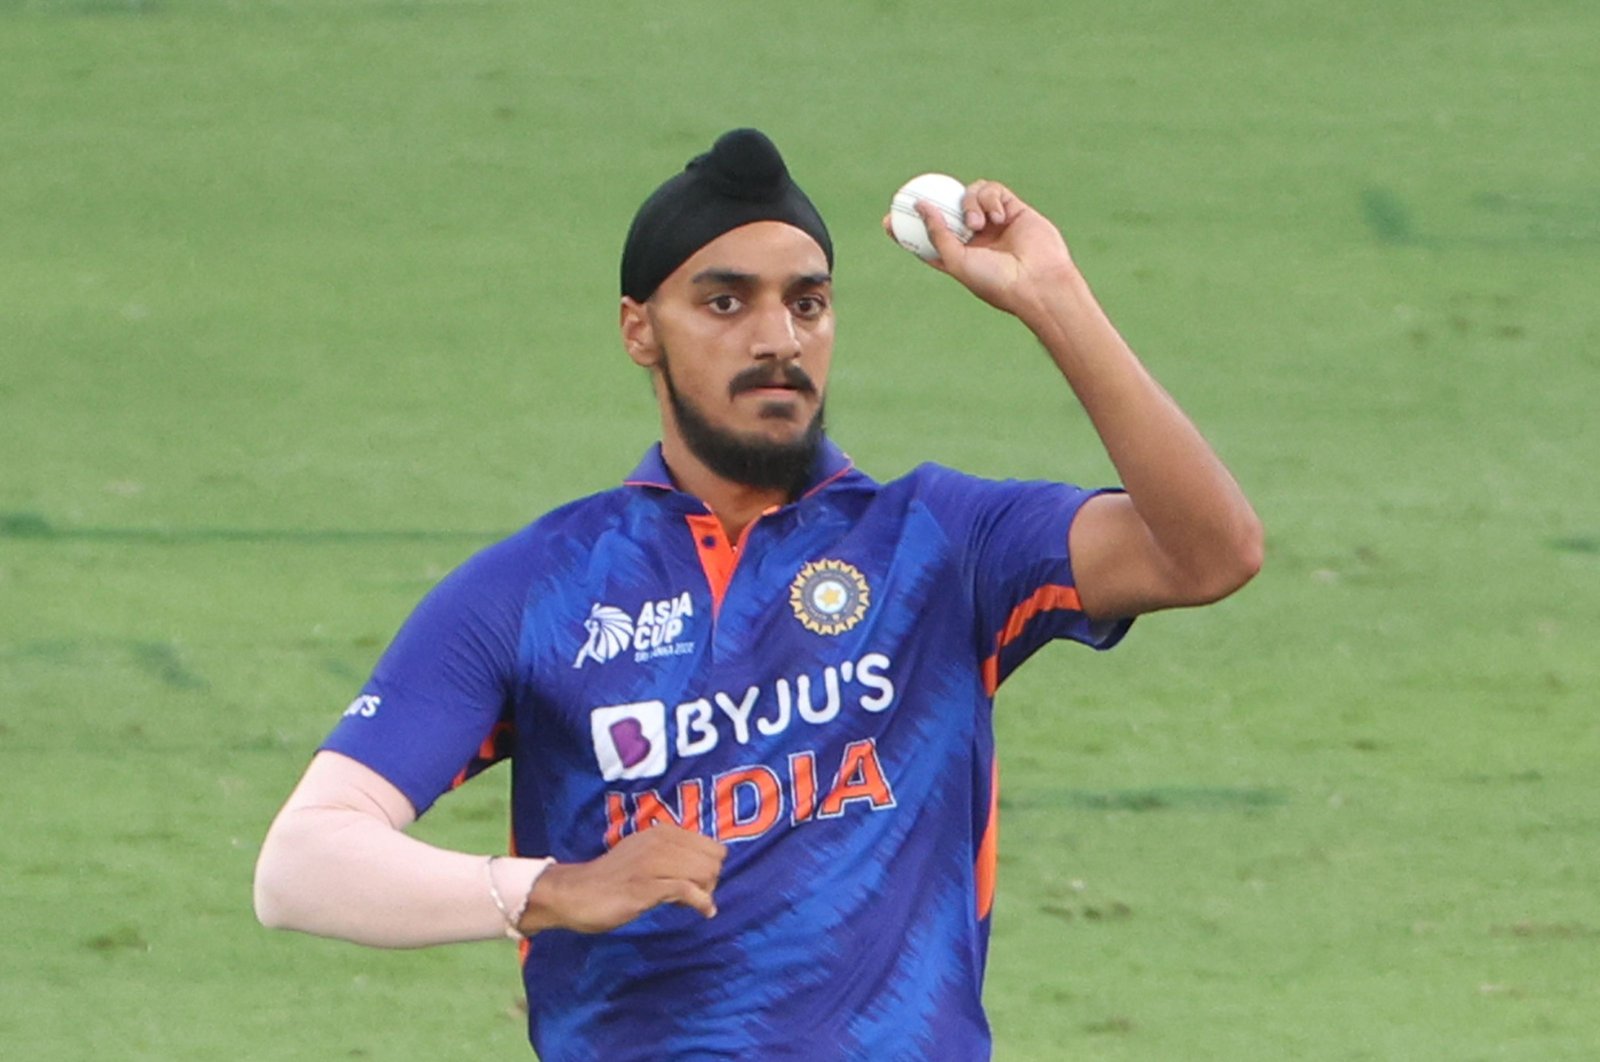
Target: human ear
x=638, y=333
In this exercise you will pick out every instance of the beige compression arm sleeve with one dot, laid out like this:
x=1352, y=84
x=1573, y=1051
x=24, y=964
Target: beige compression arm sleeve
x=338, y=863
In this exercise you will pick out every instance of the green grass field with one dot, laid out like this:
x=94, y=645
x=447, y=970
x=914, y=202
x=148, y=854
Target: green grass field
x=301, y=301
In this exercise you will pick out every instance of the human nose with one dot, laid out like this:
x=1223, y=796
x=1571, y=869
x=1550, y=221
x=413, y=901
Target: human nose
x=775, y=335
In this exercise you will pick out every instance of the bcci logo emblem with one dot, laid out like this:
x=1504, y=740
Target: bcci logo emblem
x=829, y=597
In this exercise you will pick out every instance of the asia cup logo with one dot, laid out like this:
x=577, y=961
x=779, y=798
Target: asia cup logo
x=610, y=630
x=829, y=596
x=657, y=631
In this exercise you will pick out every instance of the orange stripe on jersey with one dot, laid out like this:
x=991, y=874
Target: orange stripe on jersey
x=490, y=749
x=1047, y=598
x=848, y=465
x=988, y=865
x=991, y=674
x=488, y=754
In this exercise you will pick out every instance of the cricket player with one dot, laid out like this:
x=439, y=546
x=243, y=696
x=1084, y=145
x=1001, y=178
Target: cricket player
x=747, y=695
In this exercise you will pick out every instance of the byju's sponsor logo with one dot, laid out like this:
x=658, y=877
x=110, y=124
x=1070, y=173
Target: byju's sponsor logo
x=630, y=740
x=633, y=740
x=656, y=631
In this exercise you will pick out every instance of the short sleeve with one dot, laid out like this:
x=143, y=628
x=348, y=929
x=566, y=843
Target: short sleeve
x=437, y=707
x=1015, y=536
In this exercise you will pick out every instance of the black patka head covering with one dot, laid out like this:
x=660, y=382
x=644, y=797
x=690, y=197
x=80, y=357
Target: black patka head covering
x=740, y=180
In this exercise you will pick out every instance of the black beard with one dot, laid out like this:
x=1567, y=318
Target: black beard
x=750, y=460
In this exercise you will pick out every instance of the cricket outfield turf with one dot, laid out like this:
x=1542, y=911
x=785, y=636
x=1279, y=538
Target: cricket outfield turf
x=303, y=301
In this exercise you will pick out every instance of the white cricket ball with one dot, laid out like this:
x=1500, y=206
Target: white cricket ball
x=944, y=192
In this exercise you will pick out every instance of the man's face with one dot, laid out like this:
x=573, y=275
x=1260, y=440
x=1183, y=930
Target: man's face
x=741, y=338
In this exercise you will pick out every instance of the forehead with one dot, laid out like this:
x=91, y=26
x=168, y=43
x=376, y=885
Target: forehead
x=769, y=251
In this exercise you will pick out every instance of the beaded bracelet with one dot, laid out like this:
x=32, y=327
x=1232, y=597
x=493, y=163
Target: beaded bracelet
x=505, y=912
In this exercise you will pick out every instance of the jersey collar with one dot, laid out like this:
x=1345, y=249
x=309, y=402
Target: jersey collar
x=833, y=465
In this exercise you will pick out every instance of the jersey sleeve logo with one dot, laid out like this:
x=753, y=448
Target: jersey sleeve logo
x=366, y=706
x=610, y=630
x=829, y=596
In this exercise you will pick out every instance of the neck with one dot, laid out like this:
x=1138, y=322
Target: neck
x=736, y=505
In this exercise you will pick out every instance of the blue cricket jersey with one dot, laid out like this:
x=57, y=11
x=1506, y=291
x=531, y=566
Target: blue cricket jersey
x=818, y=696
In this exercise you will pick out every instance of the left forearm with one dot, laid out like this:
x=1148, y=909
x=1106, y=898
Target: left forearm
x=1194, y=509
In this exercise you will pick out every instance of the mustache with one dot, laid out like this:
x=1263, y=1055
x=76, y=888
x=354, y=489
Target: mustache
x=788, y=375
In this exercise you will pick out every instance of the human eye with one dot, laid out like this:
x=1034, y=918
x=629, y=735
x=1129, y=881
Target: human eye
x=723, y=305
x=810, y=306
